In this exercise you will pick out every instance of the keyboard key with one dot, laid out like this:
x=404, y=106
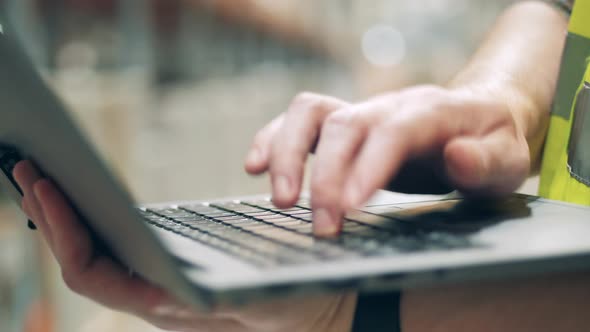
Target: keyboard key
x=236, y=207
x=264, y=235
x=206, y=210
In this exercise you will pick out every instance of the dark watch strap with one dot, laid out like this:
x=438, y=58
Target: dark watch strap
x=377, y=312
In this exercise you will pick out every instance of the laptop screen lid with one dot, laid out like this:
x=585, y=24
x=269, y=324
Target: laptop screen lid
x=35, y=122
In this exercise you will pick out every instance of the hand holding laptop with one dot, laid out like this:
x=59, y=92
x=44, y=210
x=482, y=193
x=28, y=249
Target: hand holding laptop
x=100, y=278
x=425, y=138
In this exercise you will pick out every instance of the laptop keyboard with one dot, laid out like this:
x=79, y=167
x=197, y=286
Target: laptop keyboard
x=261, y=234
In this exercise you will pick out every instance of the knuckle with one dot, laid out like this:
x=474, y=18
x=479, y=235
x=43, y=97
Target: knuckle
x=428, y=91
x=259, y=138
x=344, y=118
x=291, y=167
x=305, y=98
x=72, y=281
x=394, y=124
x=321, y=186
x=270, y=129
x=264, y=140
x=428, y=98
x=306, y=103
x=77, y=260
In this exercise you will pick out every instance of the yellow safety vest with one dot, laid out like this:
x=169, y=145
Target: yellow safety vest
x=565, y=171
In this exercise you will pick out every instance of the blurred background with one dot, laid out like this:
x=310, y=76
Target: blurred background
x=172, y=91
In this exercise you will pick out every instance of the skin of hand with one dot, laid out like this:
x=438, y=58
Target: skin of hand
x=105, y=281
x=482, y=134
x=472, y=143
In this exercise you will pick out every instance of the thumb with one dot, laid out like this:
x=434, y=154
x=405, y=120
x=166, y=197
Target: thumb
x=491, y=165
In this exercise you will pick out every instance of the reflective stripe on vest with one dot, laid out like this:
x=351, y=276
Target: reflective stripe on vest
x=565, y=172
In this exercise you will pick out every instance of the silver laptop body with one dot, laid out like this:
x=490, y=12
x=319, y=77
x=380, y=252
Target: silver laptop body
x=234, y=251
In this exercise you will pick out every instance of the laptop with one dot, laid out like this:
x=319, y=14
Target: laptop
x=244, y=249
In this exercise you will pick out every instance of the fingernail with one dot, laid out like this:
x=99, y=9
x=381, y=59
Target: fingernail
x=253, y=156
x=282, y=185
x=324, y=223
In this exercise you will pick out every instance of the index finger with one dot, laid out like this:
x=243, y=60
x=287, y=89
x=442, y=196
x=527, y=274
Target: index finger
x=83, y=270
x=294, y=141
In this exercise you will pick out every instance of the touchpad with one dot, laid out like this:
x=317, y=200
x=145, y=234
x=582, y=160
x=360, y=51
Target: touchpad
x=456, y=215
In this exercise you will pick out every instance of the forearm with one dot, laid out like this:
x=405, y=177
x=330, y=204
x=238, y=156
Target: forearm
x=519, y=63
